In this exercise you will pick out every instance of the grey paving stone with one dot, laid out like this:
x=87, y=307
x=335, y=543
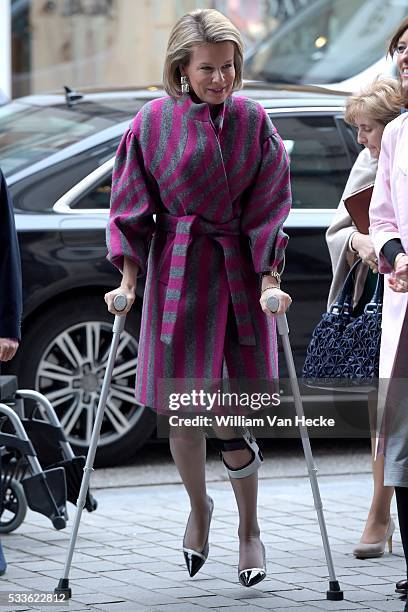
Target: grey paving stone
x=292, y=577
x=242, y=594
x=70, y=605
x=183, y=592
x=390, y=606
x=159, y=567
x=39, y=563
x=364, y=579
x=95, y=583
x=179, y=575
x=214, y=601
x=127, y=606
x=183, y=607
x=36, y=582
x=16, y=572
x=74, y=573
x=364, y=595
x=146, y=597
x=235, y=608
x=139, y=578
x=294, y=609
x=95, y=598
x=382, y=570
x=306, y=595
x=279, y=603
x=99, y=566
x=341, y=605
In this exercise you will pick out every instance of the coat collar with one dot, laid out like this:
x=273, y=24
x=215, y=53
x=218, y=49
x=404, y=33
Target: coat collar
x=201, y=111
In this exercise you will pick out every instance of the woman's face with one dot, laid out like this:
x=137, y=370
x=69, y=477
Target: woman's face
x=369, y=134
x=211, y=71
x=402, y=61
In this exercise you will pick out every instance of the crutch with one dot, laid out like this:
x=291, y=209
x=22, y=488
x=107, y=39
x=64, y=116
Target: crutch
x=334, y=593
x=119, y=303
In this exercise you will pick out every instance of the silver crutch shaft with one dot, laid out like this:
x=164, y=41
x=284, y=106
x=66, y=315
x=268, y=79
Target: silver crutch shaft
x=63, y=587
x=334, y=593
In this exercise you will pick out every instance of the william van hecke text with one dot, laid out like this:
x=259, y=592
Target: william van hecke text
x=243, y=421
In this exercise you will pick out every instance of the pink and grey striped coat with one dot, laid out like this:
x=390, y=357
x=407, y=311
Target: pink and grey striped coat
x=220, y=192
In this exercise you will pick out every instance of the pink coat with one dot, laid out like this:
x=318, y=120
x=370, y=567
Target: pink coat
x=199, y=205
x=389, y=219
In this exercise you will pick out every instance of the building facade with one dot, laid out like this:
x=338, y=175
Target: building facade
x=107, y=42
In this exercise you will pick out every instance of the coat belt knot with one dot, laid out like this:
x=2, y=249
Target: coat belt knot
x=226, y=234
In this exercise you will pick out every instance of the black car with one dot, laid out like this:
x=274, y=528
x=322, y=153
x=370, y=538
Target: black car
x=56, y=152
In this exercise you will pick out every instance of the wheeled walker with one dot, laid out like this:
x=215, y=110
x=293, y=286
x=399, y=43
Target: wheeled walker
x=31, y=440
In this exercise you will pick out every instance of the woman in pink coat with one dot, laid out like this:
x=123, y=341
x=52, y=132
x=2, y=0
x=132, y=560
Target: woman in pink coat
x=389, y=231
x=212, y=169
x=369, y=111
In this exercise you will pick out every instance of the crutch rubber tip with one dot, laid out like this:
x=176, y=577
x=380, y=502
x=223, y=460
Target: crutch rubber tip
x=334, y=593
x=59, y=522
x=63, y=588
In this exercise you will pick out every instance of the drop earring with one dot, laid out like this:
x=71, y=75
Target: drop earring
x=185, y=86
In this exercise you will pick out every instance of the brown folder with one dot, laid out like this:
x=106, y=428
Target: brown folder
x=357, y=205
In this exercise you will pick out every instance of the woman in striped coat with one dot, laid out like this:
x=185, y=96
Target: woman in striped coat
x=212, y=169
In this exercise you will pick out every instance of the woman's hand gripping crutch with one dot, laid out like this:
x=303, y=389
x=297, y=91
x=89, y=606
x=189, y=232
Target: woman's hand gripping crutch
x=120, y=306
x=278, y=309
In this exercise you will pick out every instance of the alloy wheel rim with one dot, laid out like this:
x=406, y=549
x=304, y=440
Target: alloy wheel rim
x=70, y=375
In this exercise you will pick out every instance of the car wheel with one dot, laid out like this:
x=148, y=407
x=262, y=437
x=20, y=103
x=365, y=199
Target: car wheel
x=64, y=355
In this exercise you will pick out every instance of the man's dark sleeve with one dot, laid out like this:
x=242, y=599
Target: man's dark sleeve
x=10, y=268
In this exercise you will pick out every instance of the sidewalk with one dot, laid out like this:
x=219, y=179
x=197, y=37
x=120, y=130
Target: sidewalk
x=128, y=553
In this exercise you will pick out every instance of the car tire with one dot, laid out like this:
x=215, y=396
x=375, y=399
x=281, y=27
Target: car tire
x=40, y=345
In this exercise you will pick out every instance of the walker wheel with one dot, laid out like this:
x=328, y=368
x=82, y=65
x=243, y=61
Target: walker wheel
x=14, y=506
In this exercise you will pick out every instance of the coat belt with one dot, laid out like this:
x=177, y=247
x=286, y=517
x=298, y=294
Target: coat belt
x=226, y=234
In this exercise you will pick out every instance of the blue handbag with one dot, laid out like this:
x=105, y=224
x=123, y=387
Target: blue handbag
x=345, y=349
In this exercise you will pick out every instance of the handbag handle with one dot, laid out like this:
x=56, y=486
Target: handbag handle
x=343, y=302
x=376, y=302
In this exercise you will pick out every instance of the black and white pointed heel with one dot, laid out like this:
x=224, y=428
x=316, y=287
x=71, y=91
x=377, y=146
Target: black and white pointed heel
x=193, y=558
x=251, y=576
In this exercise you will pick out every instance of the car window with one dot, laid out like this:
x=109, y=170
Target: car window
x=39, y=192
x=96, y=198
x=319, y=161
x=313, y=46
x=29, y=133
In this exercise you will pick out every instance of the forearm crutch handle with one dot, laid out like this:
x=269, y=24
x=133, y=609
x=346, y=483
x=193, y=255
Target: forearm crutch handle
x=119, y=304
x=273, y=304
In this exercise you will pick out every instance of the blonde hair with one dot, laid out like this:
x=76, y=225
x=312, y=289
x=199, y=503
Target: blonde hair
x=200, y=27
x=381, y=101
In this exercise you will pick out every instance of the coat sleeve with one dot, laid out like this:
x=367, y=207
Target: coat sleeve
x=10, y=269
x=133, y=203
x=268, y=206
x=342, y=227
x=337, y=239
x=383, y=222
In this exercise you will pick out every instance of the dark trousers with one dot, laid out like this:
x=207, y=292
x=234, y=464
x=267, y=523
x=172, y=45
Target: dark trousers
x=3, y=564
x=402, y=506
